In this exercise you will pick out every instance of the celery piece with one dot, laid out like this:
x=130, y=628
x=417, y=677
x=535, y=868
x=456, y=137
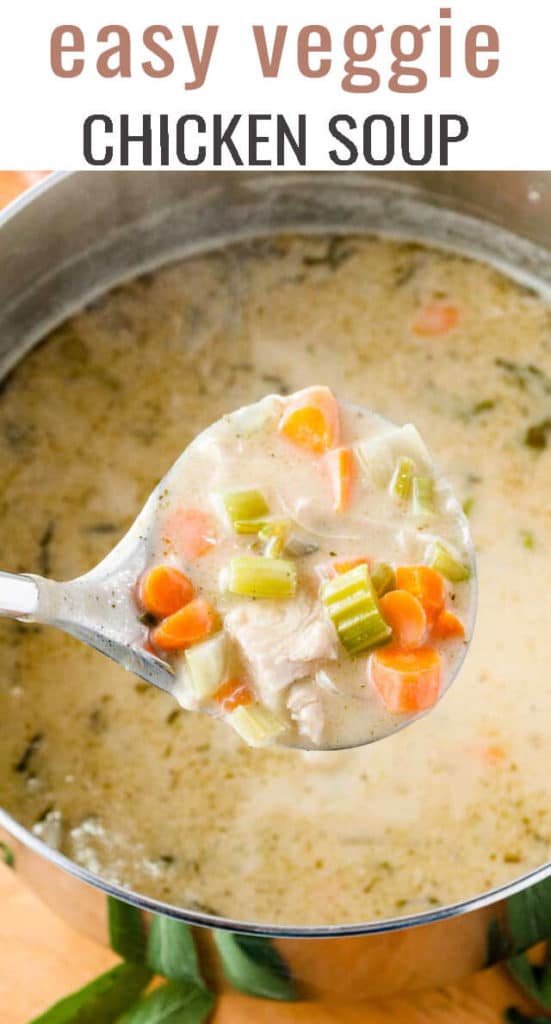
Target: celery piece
x=356, y=604
x=400, y=485
x=249, y=525
x=244, y=506
x=255, y=724
x=275, y=547
x=383, y=579
x=346, y=583
x=449, y=566
x=364, y=632
x=207, y=664
x=257, y=576
x=352, y=606
x=275, y=533
x=423, y=496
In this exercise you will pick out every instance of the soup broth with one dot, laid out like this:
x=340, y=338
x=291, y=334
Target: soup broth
x=111, y=771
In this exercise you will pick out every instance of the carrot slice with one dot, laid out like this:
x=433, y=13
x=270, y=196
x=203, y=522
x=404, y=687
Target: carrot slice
x=164, y=590
x=311, y=420
x=233, y=694
x=187, y=626
x=406, y=617
x=190, y=531
x=342, y=473
x=344, y=565
x=494, y=754
x=407, y=681
x=448, y=627
x=426, y=584
x=435, y=319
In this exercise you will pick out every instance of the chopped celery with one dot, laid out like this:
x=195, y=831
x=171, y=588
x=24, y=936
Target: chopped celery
x=256, y=725
x=249, y=525
x=383, y=579
x=207, y=664
x=275, y=533
x=257, y=576
x=274, y=547
x=449, y=566
x=346, y=583
x=351, y=602
x=243, y=507
x=423, y=496
x=400, y=485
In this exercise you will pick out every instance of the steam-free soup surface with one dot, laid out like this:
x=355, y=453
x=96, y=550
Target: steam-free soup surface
x=173, y=804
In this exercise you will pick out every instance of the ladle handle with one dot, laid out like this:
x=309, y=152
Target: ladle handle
x=19, y=596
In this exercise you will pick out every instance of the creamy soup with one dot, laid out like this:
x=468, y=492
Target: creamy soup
x=290, y=543
x=174, y=804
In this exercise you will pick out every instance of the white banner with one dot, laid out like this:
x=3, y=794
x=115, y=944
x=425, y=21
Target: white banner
x=389, y=83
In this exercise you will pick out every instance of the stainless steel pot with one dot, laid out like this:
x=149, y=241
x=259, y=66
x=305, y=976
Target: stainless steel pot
x=77, y=235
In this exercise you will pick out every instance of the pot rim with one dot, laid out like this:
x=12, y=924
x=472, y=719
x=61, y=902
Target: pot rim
x=201, y=919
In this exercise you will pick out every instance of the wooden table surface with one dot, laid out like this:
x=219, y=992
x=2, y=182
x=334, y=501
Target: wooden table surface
x=42, y=959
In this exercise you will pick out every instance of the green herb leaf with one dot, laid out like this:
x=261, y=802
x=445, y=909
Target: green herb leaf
x=6, y=854
x=534, y=979
x=536, y=435
x=528, y=539
x=126, y=934
x=498, y=944
x=529, y=916
x=171, y=950
x=102, y=1000
x=485, y=405
x=253, y=965
x=515, y=1016
x=173, y=1003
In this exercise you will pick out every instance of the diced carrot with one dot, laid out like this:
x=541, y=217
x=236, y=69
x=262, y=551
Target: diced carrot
x=493, y=754
x=435, y=319
x=407, y=681
x=344, y=565
x=448, y=627
x=163, y=590
x=233, y=694
x=405, y=616
x=311, y=420
x=190, y=531
x=343, y=471
x=426, y=584
x=187, y=626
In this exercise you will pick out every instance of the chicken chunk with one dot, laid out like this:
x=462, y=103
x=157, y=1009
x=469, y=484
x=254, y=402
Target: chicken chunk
x=281, y=640
x=305, y=704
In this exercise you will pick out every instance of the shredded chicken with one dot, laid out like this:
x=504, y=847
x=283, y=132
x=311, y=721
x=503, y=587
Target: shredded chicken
x=282, y=640
x=305, y=704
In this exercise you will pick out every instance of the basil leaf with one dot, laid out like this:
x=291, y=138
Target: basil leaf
x=515, y=1016
x=126, y=934
x=173, y=1003
x=6, y=854
x=498, y=944
x=529, y=916
x=253, y=965
x=171, y=950
x=535, y=980
x=102, y=1000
